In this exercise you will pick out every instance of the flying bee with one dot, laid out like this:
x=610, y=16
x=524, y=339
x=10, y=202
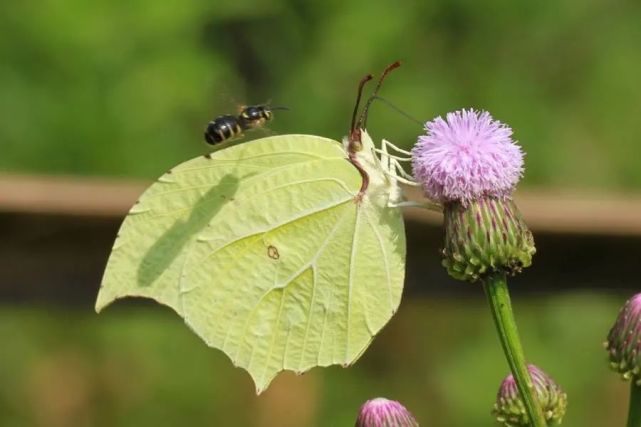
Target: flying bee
x=228, y=127
x=254, y=116
x=223, y=128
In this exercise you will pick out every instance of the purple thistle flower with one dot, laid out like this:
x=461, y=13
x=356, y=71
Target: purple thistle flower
x=510, y=410
x=467, y=156
x=470, y=164
x=381, y=412
x=624, y=341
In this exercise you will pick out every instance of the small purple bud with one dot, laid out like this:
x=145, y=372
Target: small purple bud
x=510, y=411
x=381, y=412
x=624, y=341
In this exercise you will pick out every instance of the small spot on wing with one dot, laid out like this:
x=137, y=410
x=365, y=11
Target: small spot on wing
x=272, y=252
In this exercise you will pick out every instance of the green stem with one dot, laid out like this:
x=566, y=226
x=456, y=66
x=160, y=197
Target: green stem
x=499, y=299
x=634, y=412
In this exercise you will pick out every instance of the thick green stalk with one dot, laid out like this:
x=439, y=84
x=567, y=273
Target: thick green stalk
x=634, y=412
x=499, y=300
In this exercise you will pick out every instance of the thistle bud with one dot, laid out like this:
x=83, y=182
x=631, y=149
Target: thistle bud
x=485, y=236
x=470, y=164
x=509, y=409
x=624, y=341
x=381, y=412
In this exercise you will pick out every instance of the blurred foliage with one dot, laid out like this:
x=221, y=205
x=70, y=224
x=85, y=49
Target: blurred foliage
x=125, y=88
x=138, y=366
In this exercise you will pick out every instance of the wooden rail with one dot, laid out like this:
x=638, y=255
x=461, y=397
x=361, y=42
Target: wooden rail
x=544, y=210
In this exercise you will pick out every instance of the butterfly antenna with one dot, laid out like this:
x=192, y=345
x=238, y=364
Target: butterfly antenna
x=391, y=67
x=395, y=108
x=354, y=141
x=352, y=129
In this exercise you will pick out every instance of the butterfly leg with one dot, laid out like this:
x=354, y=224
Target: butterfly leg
x=391, y=164
x=397, y=177
x=386, y=161
x=386, y=144
x=401, y=176
x=384, y=151
x=391, y=156
x=401, y=171
x=424, y=205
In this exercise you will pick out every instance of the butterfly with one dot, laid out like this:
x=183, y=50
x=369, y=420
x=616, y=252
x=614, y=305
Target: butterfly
x=286, y=252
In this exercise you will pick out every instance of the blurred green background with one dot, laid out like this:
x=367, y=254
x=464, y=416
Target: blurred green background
x=125, y=88
x=105, y=87
x=141, y=366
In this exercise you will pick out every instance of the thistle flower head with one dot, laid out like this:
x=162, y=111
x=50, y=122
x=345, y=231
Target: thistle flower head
x=465, y=157
x=381, y=412
x=509, y=409
x=624, y=341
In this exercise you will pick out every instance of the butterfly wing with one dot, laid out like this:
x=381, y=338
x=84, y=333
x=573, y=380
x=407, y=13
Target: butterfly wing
x=264, y=252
